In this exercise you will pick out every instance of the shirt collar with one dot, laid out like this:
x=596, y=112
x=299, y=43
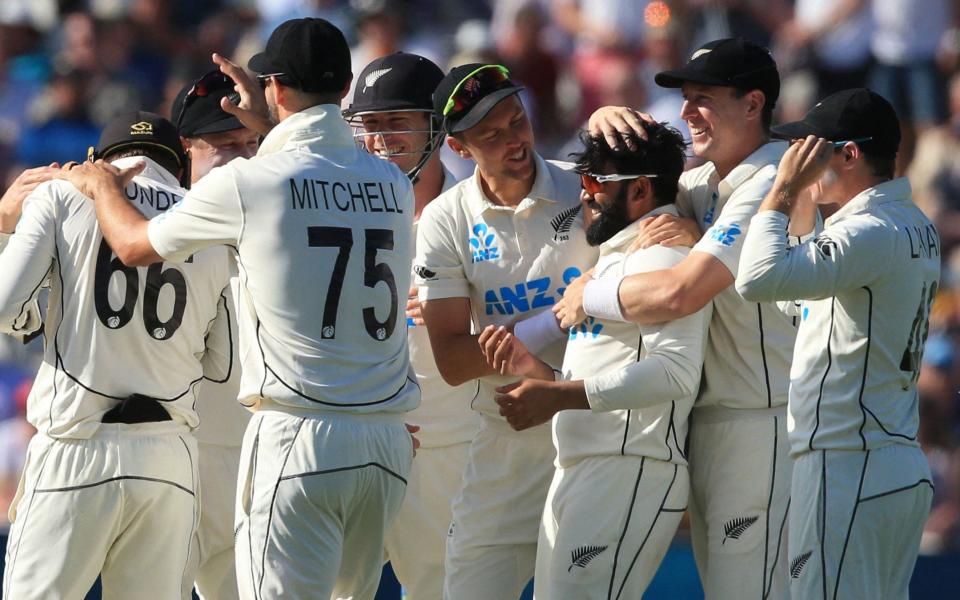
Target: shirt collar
x=895, y=190
x=321, y=124
x=151, y=171
x=625, y=236
x=767, y=154
x=544, y=189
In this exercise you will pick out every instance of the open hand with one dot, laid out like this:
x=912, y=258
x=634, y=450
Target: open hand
x=804, y=163
x=252, y=109
x=666, y=230
x=527, y=403
x=89, y=177
x=11, y=204
x=569, y=309
x=505, y=353
x=616, y=123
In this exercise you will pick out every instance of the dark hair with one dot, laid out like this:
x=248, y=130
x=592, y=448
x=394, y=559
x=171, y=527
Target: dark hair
x=164, y=159
x=663, y=153
x=766, y=117
x=883, y=167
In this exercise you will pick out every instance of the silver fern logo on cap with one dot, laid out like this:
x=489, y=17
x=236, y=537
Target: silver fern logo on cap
x=372, y=78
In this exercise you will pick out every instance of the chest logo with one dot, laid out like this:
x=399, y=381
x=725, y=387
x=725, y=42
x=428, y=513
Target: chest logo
x=483, y=244
x=563, y=222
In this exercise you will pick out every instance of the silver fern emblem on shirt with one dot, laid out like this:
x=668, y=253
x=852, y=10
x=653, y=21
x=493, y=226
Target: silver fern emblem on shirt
x=796, y=565
x=372, y=78
x=580, y=557
x=734, y=528
x=563, y=222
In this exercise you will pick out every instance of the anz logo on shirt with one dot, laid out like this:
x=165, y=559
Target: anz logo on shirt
x=483, y=244
x=725, y=235
x=528, y=295
x=587, y=329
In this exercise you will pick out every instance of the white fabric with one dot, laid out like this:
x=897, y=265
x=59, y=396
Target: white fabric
x=316, y=337
x=867, y=283
x=750, y=346
x=110, y=332
x=315, y=496
x=860, y=516
x=29, y=320
x=908, y=30
x=607, y=524
x=641, y=380
x=415, y=544
x=492, y=542
x=510, y=262
x=121, y=504
x=845, y=45
x=539, y=331
x=739, y=495
x=601, y=299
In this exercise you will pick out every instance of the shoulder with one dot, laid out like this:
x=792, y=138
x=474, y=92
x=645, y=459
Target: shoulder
x=696, y=176
x=655, y=258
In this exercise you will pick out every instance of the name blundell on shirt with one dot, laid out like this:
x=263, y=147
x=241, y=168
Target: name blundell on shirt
x=367, y=196
x=155, y=197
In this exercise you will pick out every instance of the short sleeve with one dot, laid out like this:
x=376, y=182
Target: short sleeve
x=438, y=267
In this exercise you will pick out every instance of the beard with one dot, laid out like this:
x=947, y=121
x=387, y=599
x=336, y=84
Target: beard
x=611, y=220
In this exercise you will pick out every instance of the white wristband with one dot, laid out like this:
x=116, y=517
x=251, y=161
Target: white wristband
x=539, y=331
x=601, y=299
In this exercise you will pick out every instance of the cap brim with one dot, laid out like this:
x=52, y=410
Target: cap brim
x=793, y=131
x=677, y=77
x=229, y=123
x=480, y=109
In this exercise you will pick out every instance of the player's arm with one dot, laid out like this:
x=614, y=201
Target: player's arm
x=11, y=204
x=457, y=352
x=218, y=358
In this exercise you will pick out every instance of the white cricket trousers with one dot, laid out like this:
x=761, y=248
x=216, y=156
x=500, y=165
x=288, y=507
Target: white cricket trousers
x=212, y=564
x=856, y=522
x=416, y=541
x=316, y=494
x=492, y=543
x=121, y=505
x=606, y=527
x=740, y=472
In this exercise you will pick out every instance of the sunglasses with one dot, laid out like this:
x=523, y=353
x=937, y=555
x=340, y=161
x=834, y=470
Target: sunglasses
x=842, y=143
x=264, y=78
x=203, y=87
x=477, y=83
x=593, y=183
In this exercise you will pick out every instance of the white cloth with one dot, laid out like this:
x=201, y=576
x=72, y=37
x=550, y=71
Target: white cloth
x=856, y=522
x=908, y=30
x=867, y=283
x=607, y=524
x=845, y=45
x=120, y=504
x=111, y=330
x=324, y=237
x=315, y=496
x=641, y=380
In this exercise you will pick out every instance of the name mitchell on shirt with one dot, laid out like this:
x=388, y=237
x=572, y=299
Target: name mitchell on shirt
x=307, y=193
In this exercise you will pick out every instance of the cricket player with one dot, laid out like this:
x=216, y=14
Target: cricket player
x=497, y=249
x=621, y=482
x=739, y=463
x=323, y=233
x=861, y=484
x=212, y=138
x=392, y=112
x=110, y=483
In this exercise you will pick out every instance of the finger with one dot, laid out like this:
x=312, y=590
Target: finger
x=227, y=66
x=127, y=175
x=502, y=353
x=412, y=428
x=506, y=389
x=485, y=335
x=671, y=242
x=414, y=292
x=492, y=344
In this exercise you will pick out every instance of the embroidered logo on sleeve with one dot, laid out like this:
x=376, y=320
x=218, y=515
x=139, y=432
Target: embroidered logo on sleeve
x=826, y=246
x=734, y=528
x=563, y=222
x=424, y=273
x=725, y=235
x=581, y=557
x=483, y=244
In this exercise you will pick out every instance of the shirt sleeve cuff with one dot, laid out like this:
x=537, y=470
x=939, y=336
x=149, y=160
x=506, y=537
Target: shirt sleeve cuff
x=601, y=299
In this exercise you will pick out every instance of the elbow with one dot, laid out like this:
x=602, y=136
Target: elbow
x=752, y=289
x=449, y=373
x=136, y=254
x=681, y=300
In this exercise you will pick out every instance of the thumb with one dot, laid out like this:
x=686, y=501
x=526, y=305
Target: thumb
x=126, y=175
x=230, y=107
x=506, y=389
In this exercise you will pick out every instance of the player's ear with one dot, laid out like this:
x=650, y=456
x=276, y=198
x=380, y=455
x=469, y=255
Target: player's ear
x=458, y=147
x=640, y=190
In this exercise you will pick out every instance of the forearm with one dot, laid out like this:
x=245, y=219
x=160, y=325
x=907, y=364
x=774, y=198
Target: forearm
x=655, y=297
x=459, y=357
x=762, y=264
x=124, y=227
x=571, y=395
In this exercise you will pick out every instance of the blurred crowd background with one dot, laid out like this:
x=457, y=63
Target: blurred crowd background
x=67, y=66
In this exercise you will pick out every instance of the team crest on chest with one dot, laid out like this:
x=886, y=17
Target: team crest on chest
x=483, y=244
x=563, y=222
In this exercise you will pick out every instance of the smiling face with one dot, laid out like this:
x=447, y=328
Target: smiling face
x=720, y=122
x=502, y=143
x=609, y=213
x=210, y=150
x=400, y=137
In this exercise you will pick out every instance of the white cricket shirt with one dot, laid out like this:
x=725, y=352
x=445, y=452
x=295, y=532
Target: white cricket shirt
x=111, y=330
x=324, y=236
x=444, y=414
x=641, y=380
x=510, y=262
x=867, y=283
x=750, y=345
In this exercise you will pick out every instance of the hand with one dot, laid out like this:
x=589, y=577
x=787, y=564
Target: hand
x=11, y=204
x=614, y=123
x=569, y=309
x=252, y=109
x=414, y=312
x=666, y=230
x=89, y=177
x=803, y=163
x=506, y=354
x=528, y=403
x=412, y=429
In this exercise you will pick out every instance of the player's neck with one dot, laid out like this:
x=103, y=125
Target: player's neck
x=506, y=191
x=746, y=147
x=429, y=185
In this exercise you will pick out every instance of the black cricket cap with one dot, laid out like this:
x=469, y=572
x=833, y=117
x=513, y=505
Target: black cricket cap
x=196, y=108
x=730, y=62
x=850, y=115
x=488, y=85
x=140, y=129
x=311, y=54
x=398, y=81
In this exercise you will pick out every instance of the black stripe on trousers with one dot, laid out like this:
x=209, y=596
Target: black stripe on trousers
x=23, y=529
x=626, y=525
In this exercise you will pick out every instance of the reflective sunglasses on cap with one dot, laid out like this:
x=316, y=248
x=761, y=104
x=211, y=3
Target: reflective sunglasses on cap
x=841, y=143
x=593, y=183
x=477, y=83
x=263, y=78
x=203, y=87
